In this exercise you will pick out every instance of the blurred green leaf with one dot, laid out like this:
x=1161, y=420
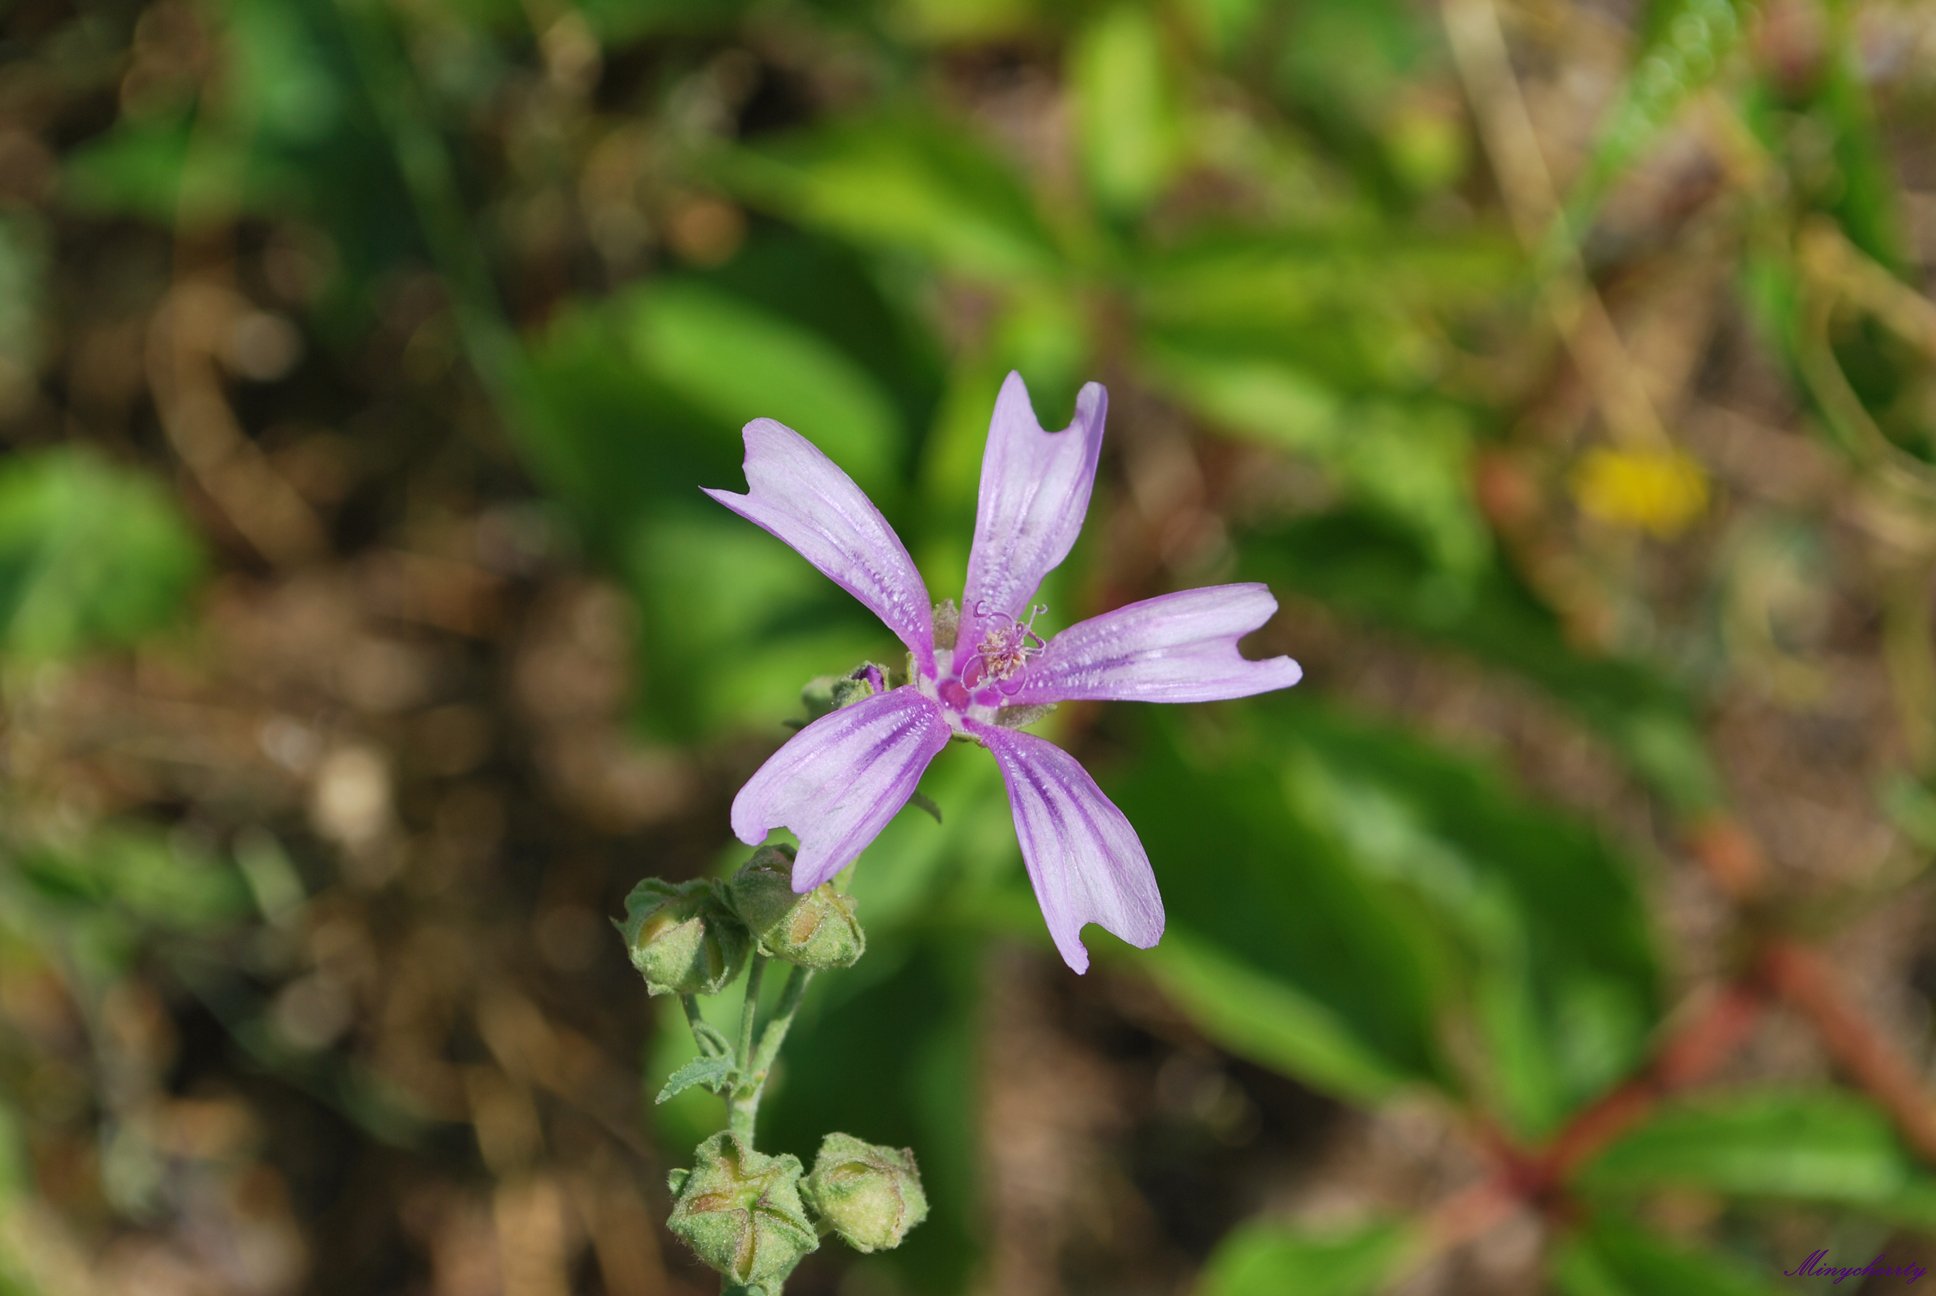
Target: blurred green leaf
x=1818, y=126
x=1260, y=1259
x=1277, y=943
x=292, y=132
x=162, y=170
x=1410, y=462
x=1911, y=806
x=1366, y=895
x=1369, y=569
x=138, y=876
x=24, y=244
x=904, y=182
x=1609, y=1259
x=1344, y=67
x=14, y=1179
x=702, y=344
x=1547, y=919
x=1688, y=44
x=1828, y=1146
x=1355, y=268
x=733, y=622
x=91, y=555
x=643, y=398
x=1126, y=110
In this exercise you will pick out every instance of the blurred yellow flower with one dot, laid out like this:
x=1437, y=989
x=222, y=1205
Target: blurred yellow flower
x=1658, y=491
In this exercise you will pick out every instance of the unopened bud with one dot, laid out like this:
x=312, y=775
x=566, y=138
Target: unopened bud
x=740, y=1211
x=683, y=939
x=868, y=1194
x=816, y=930
x=829, y=693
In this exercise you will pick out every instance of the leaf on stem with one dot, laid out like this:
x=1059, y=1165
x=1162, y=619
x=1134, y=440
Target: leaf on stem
x=716, y=1073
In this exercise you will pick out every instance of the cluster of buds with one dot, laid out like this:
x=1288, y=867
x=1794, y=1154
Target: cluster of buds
x=753, y=1217
x=693, y=938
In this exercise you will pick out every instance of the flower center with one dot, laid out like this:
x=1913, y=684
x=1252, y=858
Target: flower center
x=1005, y=648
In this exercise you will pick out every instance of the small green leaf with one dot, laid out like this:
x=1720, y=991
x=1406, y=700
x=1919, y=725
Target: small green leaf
x=1611, y=1259
x=1125, y=114
x=702, y=343
x=91, y=555
x=1260, y=1259
x=713, y=1073
x=1689, y=44
x=1370, y=569
x=1829, y=1147
x=1277, y=943
x=904, y=182
x=1554, y=957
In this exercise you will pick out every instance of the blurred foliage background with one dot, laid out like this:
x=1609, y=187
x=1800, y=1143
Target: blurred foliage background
x=1568, y=370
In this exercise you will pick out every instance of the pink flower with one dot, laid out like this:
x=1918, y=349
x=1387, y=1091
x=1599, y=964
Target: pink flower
x=839, y=780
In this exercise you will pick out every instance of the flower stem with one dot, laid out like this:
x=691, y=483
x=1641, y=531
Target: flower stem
x=756, y=1060
x=775, y=1033
x=744, y=1102
x=693, y=1020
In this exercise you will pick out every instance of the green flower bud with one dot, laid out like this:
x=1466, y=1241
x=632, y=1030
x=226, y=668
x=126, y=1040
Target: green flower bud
x=741, y=1213
x=683, y=939
x=828, y=693
x=816, y=930
x=869, y=1195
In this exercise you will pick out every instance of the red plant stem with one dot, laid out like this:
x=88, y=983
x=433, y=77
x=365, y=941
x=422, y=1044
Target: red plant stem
x=1802, y=978
x=1689, y=1054
x=1806, y=982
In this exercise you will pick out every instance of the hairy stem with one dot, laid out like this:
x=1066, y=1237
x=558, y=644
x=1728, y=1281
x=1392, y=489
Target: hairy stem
x=743, y=1104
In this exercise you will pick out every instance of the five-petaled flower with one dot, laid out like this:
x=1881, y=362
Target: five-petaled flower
x=838, y=781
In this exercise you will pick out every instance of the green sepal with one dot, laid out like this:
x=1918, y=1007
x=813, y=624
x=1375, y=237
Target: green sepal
x=740, y=1211
x=683, y=938
x=817, y=930
x=870, y=1195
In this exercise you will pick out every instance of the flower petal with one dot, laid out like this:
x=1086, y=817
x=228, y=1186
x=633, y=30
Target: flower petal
x=837, y=782
x=1173, y=648
x=1083, y=857
x=1034, y=492
x=803, y=497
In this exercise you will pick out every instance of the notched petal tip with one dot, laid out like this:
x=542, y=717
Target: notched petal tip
x=1035, y=488
x=801, y=496
x=1172, y=648
x=1083, y=857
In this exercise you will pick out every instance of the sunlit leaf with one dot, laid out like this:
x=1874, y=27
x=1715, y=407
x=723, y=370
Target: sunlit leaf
x=1827, y=1146
x=1609, y=1259
x=1546, y=917
x=1125, y=109
x=1260, y=1259
x=1281, y=946
x=1370, y=570
x=903, y=182
x=1409, y=461
x=91, y=555
x=1688, y=44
